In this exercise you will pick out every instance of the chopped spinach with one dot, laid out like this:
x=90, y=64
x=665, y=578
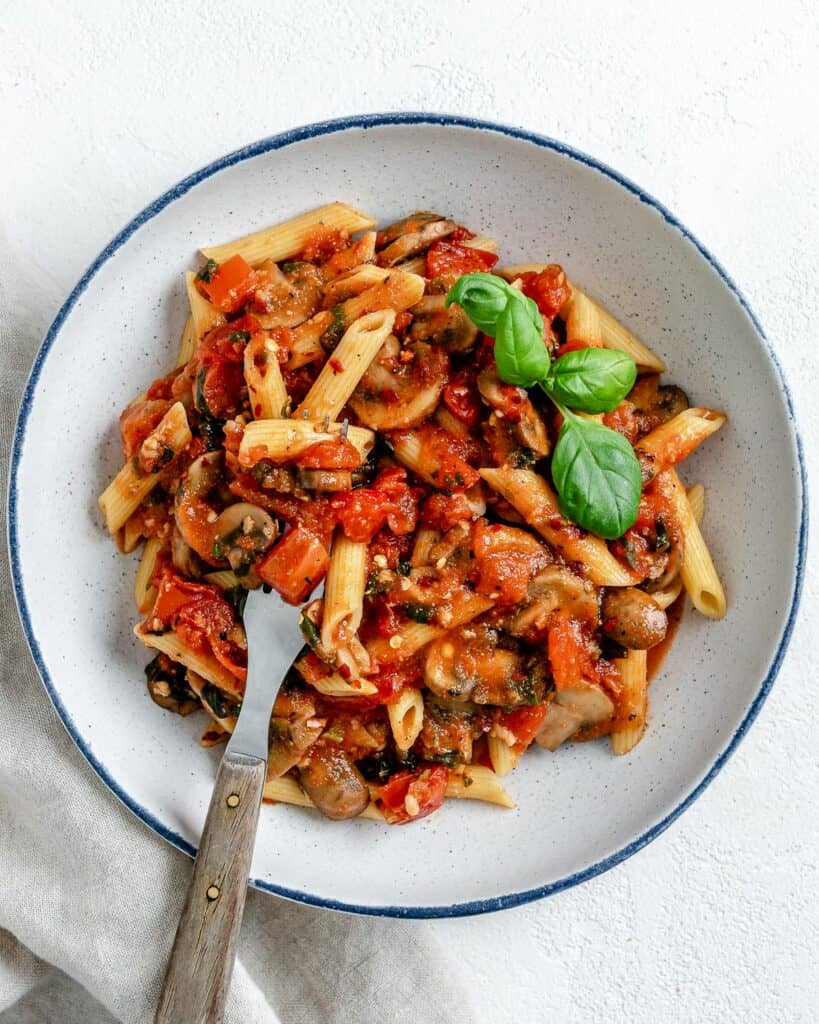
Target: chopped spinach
x=238, y=599
x=207, y=272
x=310, y=631
x=522, y=458
x=219, y=702
x=418, y=612
x=662, y=540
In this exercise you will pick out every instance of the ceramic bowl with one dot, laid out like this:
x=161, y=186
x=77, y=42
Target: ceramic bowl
x=581, y=810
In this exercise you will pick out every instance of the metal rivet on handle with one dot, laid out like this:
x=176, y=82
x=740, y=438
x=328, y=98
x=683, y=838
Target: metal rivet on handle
x=212, y=893
x=233, y=800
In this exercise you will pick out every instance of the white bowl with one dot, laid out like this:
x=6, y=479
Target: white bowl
x=580, y=811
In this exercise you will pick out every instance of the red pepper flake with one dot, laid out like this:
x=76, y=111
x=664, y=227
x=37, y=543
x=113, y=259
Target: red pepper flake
x=336, y=365
x=496, y=526
x=257, y=411
x=344, y=671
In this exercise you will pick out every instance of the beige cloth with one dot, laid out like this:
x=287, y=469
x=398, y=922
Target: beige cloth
x=90, y=897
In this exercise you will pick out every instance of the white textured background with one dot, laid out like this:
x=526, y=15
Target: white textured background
x=713, y=109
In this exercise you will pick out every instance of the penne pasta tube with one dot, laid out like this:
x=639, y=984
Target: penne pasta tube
x=263, y=376
x=204, y=665
x=412, y=638
x=668, y=595
x=355, y=281
x=535, y=500
x=406, y=717
x=398, y=291
x=582, y=318
x=482, y=242
x=675, y=440
x=130, y=535
x=632, y=703
x=332, y=684
x=343, y=592
x=503, y=756
x=285, y=440
x=474, y=782
x=698, y=574
x=224, y=578
x=340, y=375
x=187, y=343
x=144, y=591
x=204, y=316
x=129, y=488
x=289, y=238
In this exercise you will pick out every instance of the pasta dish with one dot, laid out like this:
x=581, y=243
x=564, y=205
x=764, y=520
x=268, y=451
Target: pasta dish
x=479, y=464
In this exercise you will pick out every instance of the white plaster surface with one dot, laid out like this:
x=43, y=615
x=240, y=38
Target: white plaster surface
x=713, y=109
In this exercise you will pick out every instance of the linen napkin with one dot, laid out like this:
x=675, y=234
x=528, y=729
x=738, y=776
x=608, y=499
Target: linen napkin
x=90, y=897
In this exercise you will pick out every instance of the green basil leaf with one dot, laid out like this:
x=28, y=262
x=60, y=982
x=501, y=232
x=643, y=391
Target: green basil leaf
x=483, y=297
x=520, y=353
x=591, y=379
x=597, y=477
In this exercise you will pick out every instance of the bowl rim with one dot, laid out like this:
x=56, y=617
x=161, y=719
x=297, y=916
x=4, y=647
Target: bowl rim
x=280, y=141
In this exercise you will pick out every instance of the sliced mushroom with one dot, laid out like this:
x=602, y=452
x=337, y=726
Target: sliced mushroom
x=450, y=327
x=288, y=299
x=468, y=664
x=406, y=225
x=559, y=724
x=184, y=557
x=168, y=686
x=658, y=403
x=554, y=588
x=632, y=618
x=396, y=393
x=527, y=424
x=193, y=514
x=325, y=480
x=241, y=533
x=413, y=240
x=289, y=742
x=334, y=783
x=588, y=701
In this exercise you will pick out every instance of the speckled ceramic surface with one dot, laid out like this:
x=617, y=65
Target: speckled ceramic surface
x=580, y=810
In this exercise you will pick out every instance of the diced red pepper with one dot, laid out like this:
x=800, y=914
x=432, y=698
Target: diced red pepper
x=339, y=454
x=231, y=284
x=295, y=565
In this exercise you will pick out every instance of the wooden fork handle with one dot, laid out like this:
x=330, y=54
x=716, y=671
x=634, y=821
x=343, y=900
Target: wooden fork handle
x=201, y=961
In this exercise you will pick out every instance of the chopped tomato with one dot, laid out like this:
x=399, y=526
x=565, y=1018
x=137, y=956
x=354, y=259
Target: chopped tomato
x=338, y=454
x=444, y=456
x=461, y=396
x=137, y=422
x=324, y=243
x=390, y=501
x=548, y=288
x=231, y=284
x=201, y=616
x=295, y=565
x=163, y=387
x=408, y=796
x=570, y=653
x=570, y=346
x=443, y=511
x=453, y=260
x=524, y=723
x=395, y=548
x=220, y=387
x=361, y=513
x=402, y=322
x=625, y=419
x=461, y=234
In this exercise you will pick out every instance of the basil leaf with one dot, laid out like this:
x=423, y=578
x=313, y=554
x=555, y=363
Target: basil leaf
x=591, y=379
x=483, y=298
x=520, y=353
x=597, y=477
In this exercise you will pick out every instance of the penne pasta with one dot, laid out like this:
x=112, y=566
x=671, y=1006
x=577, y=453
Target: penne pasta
x=204, y=316
x=503, y=756
x=698, y=574
x=289, y=238
x=144, y=590
x=285, y=790
x=286, y=440
x=204, y=665
x=187, y=343
x=332, y=684
x=406, y=717
x=353, y=282
x=632, y=703
x=474, y=782
x=129, y=488
x=534, y=499
x=340, y=375
x=343, y=592
x=676, y=439
x=582, y=318
x=263, y=376
x=225, y=579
